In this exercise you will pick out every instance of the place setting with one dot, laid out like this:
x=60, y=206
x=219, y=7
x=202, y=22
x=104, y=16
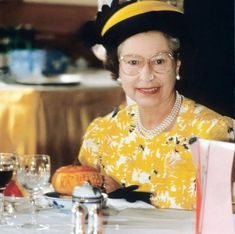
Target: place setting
x=23, y=178
x=56, y=203
x=30, y=199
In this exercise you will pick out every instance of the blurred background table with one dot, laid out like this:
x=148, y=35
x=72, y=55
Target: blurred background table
x=52, y=119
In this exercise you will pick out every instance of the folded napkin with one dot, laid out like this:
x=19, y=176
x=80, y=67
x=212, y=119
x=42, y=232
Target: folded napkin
x=121, y=204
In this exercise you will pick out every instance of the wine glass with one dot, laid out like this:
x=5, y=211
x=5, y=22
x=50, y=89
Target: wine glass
x=7, y=164
x=33, y=173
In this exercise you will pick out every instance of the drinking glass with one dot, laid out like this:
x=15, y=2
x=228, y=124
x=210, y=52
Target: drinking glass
x=7, y=164
x=33, y=173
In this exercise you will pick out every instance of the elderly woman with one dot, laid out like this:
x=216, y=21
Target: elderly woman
x=147, y=143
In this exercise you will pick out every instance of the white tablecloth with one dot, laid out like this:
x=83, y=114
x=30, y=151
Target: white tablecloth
x=131, y=220
x=118, y=219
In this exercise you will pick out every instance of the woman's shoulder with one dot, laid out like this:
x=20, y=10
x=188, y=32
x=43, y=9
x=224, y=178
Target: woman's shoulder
x=120, y=114
x=208, y=122
x=198, y=110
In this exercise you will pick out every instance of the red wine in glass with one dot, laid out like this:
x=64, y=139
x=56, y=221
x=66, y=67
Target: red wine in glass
x=6, y=172
x=5, y=177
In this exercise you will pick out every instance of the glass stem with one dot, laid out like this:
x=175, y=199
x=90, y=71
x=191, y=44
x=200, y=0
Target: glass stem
x=1, y=205
x=34, y=218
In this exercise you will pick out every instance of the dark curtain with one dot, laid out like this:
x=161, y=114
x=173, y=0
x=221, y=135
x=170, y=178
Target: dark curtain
x=208, y=59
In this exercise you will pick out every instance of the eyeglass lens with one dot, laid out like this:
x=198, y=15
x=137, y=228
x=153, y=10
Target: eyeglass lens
x=133, y=64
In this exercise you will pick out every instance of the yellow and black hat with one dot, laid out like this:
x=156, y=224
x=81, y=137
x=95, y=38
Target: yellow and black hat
x=116, y=23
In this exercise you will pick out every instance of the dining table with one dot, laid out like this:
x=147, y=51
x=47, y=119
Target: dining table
x=118, y=216
x=51, y=114
x=137, y=218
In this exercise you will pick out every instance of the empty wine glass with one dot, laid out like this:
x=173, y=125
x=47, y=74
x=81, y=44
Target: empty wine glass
x=6, y=171
x=33, y=173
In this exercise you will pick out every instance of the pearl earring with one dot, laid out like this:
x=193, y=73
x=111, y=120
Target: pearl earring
x=119, y=80
x=177, y=77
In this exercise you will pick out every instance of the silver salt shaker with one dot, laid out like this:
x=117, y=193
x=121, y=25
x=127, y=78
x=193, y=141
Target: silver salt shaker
x=78, y=218
x=87, y=202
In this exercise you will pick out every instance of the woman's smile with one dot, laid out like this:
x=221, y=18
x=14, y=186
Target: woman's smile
x=148, y=91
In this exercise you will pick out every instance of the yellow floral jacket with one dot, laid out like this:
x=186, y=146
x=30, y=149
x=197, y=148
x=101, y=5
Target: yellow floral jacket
x=162, y=165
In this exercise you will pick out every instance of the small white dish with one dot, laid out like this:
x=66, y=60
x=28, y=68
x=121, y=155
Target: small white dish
x=62, y=202
x=59, y=201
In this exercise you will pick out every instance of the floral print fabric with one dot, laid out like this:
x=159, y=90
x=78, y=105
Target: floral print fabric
x=162, y=165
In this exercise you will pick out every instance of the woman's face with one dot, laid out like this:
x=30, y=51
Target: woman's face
x=150, y=86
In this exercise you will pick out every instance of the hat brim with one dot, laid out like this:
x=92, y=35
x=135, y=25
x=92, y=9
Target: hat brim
x=168, y=22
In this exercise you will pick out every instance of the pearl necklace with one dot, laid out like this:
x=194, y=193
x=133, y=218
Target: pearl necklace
x=150, y=133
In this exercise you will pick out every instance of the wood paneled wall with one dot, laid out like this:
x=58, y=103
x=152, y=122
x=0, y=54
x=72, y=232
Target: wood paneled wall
x=56, y=24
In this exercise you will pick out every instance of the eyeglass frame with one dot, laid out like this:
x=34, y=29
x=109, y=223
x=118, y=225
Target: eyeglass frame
x=148, y=60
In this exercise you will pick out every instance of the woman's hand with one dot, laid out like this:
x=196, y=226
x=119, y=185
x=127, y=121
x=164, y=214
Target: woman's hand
x=110, y=185
x=116, y=190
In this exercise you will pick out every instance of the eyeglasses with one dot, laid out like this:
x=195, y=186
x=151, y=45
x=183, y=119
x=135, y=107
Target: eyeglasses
x=133, y=64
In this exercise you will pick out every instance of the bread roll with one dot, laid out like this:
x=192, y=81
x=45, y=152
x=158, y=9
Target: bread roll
x=66, y=178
